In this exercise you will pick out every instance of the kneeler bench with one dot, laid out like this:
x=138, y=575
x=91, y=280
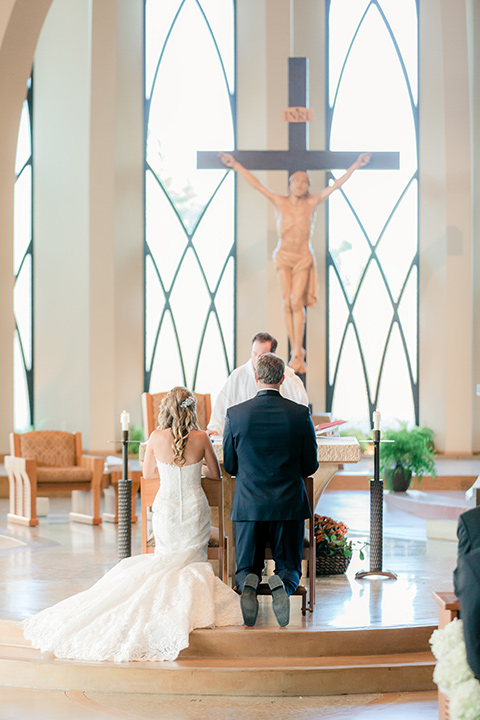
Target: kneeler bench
x=448, y=609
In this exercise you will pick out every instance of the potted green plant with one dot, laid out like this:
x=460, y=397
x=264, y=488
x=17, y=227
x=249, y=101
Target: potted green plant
x=412, y=452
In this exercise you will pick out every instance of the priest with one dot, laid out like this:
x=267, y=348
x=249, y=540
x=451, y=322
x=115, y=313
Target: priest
x=241, y=385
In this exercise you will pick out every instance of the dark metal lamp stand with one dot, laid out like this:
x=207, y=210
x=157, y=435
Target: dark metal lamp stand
x=376, y=520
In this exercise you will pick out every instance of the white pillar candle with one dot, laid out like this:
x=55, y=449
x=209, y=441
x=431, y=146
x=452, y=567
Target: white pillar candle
x=376, y=420
x=124, y=419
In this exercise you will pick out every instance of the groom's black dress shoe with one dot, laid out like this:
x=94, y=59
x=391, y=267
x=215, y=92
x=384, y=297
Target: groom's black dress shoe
x=280, y=600
x=248, y=600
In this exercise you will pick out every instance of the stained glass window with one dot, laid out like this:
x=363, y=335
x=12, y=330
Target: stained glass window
x=372, y=226
x=23, y=272
x=189, y=213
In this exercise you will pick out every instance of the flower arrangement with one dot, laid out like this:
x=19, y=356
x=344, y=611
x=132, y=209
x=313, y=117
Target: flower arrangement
x=331, y=538
x=452, y=673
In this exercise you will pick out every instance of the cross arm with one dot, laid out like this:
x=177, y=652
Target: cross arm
x=295, y=160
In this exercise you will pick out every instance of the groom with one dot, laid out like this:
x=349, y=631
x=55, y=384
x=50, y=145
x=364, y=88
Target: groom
x=269, y=444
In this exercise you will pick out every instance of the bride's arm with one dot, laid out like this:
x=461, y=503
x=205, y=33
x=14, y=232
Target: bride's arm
x=211, y=468
x=150, y=469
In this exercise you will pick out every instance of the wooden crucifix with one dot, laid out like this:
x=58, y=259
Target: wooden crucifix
x=293, y=256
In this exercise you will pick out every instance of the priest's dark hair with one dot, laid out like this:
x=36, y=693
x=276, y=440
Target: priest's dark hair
x=266, y=337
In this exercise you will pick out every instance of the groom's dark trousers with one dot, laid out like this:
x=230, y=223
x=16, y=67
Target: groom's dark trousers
x=269, y=444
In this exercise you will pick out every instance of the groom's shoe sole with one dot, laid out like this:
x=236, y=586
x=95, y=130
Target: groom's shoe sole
x=280, y=600
x=249, y=601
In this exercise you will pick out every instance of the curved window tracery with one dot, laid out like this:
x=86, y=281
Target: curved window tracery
x=23, y=271
x=189, y=213
x=372, y=225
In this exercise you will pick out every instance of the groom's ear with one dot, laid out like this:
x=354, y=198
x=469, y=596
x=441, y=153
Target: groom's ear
x=255, y=373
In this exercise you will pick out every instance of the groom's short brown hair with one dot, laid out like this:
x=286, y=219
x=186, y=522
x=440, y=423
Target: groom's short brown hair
x=270, y=369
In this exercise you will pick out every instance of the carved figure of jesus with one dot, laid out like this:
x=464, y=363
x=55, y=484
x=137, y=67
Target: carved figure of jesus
x=293, y=256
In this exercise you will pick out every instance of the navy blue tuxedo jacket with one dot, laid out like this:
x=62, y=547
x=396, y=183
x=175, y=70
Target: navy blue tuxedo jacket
x=468, y=533
x=269, y=443
x=467, y=587
x=468, y=530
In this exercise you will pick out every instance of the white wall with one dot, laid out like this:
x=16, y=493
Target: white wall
x=447, y=402
x=20, y=24
x=88, y=218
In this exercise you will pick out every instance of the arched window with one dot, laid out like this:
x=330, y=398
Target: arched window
x=23, y=271
x=372, y=254
x=189, y=213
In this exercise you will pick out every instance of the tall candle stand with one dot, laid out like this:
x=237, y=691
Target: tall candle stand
x=124, y=497
x=376, y=513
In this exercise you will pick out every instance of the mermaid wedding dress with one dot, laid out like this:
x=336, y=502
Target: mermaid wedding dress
x=145, y=607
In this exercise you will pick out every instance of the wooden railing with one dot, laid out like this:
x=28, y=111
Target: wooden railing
x=448, y=609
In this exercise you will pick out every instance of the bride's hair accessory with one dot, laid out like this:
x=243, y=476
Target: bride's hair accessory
x=187, y=402
x=180, y=423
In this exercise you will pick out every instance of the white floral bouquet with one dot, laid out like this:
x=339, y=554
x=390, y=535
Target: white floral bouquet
x=453, y=674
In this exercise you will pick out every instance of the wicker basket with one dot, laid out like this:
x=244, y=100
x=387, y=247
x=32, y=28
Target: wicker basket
x=335, y=564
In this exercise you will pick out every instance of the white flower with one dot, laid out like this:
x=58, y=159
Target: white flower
x=465, y=701
x=452, y=673
x=444, y=639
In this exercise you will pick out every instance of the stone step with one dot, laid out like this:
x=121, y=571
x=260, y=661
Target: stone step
x=21, y=667
x=209, y=668
x=349, y=480
x=258, y=642
x=428, y=505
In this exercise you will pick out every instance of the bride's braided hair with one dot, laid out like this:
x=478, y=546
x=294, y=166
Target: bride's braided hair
x=178, y=412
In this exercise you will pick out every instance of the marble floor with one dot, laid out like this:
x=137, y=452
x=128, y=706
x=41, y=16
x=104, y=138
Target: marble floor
x=40, y=566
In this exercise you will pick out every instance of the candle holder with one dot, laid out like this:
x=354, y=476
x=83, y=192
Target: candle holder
x=124, y=506
x=376, y=519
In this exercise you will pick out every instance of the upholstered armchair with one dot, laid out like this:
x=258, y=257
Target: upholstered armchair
x=51, y=461
x=151, y=405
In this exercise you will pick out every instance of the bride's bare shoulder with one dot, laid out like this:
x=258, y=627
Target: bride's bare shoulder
x=160, y=437
x=196, y=437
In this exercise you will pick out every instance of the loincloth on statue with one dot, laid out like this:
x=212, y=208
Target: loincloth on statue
x=295, y=263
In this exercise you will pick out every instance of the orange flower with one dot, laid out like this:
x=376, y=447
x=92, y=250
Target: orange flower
x=329, y=534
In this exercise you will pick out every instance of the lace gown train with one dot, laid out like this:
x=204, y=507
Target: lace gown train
x=145, y=607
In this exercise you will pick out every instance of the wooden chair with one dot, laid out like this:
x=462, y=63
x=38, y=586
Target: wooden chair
x=309, y=554
x=151, y=405
x=50, y=461
x=448, y=609
x=218, y=543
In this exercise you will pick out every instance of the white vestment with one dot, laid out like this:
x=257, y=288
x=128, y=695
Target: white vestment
x=241, y=386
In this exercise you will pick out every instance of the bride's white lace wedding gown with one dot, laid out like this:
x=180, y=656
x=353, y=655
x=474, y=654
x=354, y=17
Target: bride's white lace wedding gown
x=145, y=607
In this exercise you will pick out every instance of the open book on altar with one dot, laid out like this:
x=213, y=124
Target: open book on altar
x=323, y=427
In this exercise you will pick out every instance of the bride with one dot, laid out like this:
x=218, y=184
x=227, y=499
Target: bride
x=145, y=607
